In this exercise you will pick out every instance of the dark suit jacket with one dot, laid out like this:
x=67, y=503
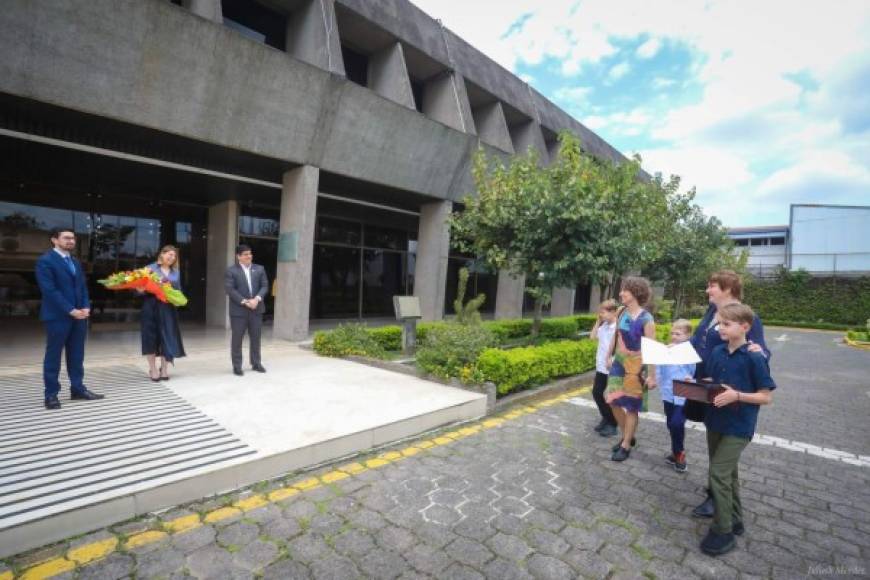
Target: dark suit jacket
x=237, y=288
x=62, y=291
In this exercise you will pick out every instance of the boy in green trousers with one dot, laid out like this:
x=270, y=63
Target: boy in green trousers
x=731, y=421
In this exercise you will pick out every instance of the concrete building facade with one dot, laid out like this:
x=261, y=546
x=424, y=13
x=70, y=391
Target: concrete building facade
x=333, y=136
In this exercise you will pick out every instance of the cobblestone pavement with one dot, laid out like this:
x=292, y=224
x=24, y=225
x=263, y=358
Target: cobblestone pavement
x=534, y=497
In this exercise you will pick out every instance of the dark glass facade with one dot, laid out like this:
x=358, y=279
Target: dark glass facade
x=112, y=234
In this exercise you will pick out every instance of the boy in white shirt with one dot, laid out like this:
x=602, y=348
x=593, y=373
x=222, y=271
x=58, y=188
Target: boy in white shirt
x=681, y=331
x=603, y=331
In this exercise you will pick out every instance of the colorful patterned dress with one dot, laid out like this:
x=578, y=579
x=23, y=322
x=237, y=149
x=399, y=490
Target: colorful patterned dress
x=625, y=385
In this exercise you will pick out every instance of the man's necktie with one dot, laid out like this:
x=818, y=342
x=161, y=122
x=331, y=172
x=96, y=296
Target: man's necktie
x=70, y=265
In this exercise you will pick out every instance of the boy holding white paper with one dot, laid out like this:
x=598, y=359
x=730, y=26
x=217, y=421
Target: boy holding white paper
x=681, y=331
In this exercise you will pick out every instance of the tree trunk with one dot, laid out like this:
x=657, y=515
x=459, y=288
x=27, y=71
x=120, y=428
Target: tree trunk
x=539, y=311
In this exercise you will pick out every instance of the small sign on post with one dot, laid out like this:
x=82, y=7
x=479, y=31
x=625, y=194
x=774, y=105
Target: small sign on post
x=408, y=312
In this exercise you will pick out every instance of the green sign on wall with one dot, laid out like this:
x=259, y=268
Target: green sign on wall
x=288, y=247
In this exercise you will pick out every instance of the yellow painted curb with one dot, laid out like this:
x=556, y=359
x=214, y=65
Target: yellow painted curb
x=333, y=476
x=352, y=468
x=251, y=503
x=425, y=444
x=283, y=493
x=49, y=569
x=309, y=483
x=390, y=456
x=144, y=538
x=442, y=440
x=857, y=344
x=93, y=551
x=490, y=423
x=411, y=451
x=375, y=463
x=221, y=514
x=182, y=524
x=6, y=576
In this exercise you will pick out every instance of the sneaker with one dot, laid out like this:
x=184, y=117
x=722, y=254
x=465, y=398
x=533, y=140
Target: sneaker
x=680, y=465
x=608, y=430
x=716, y=544
x=738, y=529
x=618, y=446
x=601, y=425
x=669, y=459
x=620, y=454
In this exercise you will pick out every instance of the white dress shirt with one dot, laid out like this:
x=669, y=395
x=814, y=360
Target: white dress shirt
x=247, y=271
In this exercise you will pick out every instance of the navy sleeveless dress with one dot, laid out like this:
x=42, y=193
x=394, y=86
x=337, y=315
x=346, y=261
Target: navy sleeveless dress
x=161, y=335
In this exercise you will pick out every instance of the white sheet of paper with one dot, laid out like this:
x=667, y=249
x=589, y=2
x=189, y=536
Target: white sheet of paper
x=655, y=353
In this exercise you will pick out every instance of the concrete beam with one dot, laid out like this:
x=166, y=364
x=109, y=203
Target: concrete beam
x=312, y=35
x=444, y=100
x=208, y=9
x=433, y=247
x=563, y=302
x=221, y=242
x=509, y=296
x=293, y=279
x=528, y=135
x=388, y=75
x=492, y=126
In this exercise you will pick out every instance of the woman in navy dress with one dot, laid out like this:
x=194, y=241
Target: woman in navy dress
x=161, y=335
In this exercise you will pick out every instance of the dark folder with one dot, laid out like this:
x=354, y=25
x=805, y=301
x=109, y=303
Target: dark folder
x=702, y=392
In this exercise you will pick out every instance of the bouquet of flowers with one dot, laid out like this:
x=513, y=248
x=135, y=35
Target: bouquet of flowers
x=146, y=280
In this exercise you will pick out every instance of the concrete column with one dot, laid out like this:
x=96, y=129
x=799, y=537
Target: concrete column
x=445, y=101
x=492, y=126
x=509, y=296
x=595, y=299
x=223, y=237
x=208, y=9
x=312, y=35
x=563, y=302
x=388, y=75
x=553, y=148
x=530, y=135
x=433, y=248
x=295, y=252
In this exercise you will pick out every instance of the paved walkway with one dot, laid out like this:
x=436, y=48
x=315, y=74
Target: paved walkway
x=531, y=494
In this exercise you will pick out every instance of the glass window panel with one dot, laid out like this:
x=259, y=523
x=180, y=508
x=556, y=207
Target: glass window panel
x=183, y=232
x=331, y=230
x=335, y=282
x=777, y=241
x=261, y=227
x=382, y=237
x=383, y=277
x=147, y=240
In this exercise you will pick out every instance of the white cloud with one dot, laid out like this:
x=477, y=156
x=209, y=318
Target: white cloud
x=649, y=49
x=618, y=71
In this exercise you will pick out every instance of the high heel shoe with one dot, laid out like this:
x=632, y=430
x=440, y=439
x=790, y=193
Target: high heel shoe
x=150, y=376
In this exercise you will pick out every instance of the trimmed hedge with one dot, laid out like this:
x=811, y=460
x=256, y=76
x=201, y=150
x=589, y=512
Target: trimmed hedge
x=348, y=339
x=797, y=296
x=858, y=335
x=521, y=368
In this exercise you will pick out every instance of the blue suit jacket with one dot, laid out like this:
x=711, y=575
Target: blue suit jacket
x=62, y=291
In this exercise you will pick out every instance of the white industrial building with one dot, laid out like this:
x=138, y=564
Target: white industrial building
x=824, y=240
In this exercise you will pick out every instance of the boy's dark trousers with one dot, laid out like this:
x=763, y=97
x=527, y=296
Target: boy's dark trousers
x=598, y=387
x=676, y=415
x=724, y=452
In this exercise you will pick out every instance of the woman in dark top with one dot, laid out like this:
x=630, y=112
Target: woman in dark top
x=723, y=287
x=161, y=335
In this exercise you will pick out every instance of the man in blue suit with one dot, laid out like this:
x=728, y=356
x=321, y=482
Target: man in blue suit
x=65, y=311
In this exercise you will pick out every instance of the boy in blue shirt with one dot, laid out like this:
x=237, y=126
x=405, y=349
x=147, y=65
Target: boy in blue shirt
x=681, y=331
x=731, y=420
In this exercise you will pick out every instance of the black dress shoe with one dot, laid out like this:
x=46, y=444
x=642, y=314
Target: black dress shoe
x=738, y=529
x=238, y=372
x=619, y=445
x=705, y=510
x=601, y=425
x=52, y=403
x=86, y=395
x=259, y=368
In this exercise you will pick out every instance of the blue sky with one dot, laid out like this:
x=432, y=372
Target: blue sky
x=758, y=104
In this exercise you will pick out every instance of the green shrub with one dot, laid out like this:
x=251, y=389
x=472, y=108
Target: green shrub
x=799, y=297
x=389, y=337
x=450, y=350
x=858, y=335
x=585, y=322
x=348, y=339
x=561, y=327
x=663, y=310
x=520, y=368
x=515, y=328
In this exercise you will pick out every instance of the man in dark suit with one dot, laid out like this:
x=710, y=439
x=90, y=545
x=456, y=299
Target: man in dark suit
x=246, y=284
x=65, y=310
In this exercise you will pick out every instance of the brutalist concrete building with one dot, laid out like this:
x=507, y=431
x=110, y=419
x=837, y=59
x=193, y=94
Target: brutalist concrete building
x=332, y=136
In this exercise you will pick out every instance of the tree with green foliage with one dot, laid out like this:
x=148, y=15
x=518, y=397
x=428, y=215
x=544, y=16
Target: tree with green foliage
x=543, y=223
